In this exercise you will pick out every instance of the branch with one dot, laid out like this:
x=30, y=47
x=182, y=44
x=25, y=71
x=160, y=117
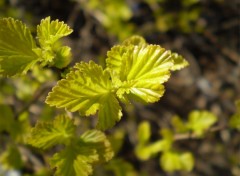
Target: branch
x=190, y=135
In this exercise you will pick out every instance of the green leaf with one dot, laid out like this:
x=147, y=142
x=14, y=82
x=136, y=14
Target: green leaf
x=52, y=52
x=6, y=118
x=178, y=124
x=11, y=158
x=16, y=44
x=134, y=40
x=48, y=32
x=234, y=121
x=237, y=103
x=144, y=132
x=200, y=121
x=87, y=89
x=17, y=128
x=77, y=159
x=119, y=167
x=179, y=62
x=117, y=139
x=144, y=152
x=141, y=70
x=172, y=161
x=47, y=134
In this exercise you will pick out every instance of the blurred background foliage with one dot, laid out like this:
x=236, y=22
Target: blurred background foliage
x=205, y=32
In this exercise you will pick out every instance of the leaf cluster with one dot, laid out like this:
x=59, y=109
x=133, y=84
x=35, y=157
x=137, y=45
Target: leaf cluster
x=172, y=160
x=19, y=52
x=135, y=71
x=79, y=152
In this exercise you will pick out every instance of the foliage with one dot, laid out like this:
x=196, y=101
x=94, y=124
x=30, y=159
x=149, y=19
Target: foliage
x=135, y=71
x=19, y=52
x=79, y=153
x=171, y=160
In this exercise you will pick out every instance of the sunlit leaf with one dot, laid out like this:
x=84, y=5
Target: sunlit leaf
x=172, y=161
x=134, y=40
x=178, y=124
x=11, y=158
x=52, y=52
x=6, y=118
x=234, y=121
x=121, y=168
x=87, y=89
x=141, y=70
x=78, y=158
x=17, y=128
x=200, y=121
x=48, y=32
x=47, y=134
x=179, y=62
x=144, y=132
x=16, y=44
x=144, y=152
x=117, y=139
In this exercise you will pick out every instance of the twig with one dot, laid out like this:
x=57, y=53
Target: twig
x=191, y=135
x=36, y=96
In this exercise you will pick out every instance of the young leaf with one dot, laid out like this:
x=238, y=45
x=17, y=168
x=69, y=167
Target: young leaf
x=87, y=89
x=121, y=167
x=11, y=158
x=144, y=132
x=234, y=121
x=179, y=62
x=52, y=52
x=134, y=40
x=47, y=134
x=16, y=44
x=144, y=152
x=77, y=159
x=200, y=121
x=6, y=118
x=48, y=32
x=172, y=161
x=141, y=70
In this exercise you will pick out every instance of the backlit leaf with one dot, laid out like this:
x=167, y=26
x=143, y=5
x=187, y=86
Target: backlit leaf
x=11, y=158
x=51, y=51
x=48, y=32
x=144, y=132
x=77, y=159
x=134, y=40
x=16, y=44
x=200, y=121
x=172, y=161
x=87, y=89
x=141, y=70
x=121, y=167
x=234, y=121
x=6, y=118
x=47, y=134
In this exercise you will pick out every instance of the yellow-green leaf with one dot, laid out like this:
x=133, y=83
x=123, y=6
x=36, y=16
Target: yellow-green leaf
x=140, y=70
x=87, y=89
x=52, y=52
x=78, y=158
x=47, y=134
x=144, y=132
x=172, y=161
x=11, y=158
x=48, y=32
x=200, y=121
x=16, y=45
